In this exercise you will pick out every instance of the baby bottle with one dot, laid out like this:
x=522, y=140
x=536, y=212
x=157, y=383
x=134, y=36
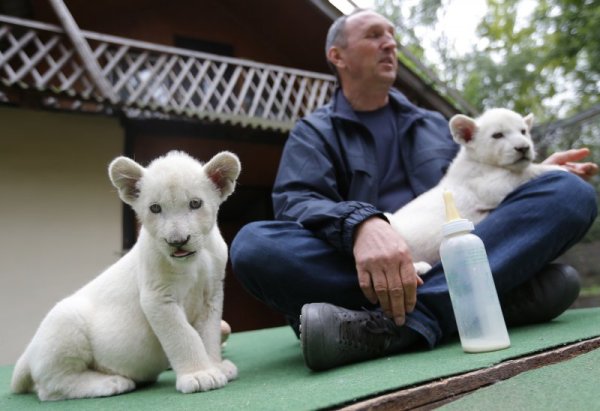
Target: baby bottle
x=473, y=294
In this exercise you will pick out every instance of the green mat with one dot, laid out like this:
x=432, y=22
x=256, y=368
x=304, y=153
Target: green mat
x=272, y=375
x=570, y=385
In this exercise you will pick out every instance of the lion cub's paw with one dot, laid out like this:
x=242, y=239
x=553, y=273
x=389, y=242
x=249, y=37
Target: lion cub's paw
x=422, y=267
x=90, y=384
x=229, y=369
x=114, y=384
x=205, y=380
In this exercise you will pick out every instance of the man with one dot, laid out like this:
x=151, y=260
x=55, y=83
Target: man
x=332, y=257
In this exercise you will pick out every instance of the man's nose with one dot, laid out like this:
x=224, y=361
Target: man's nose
x=389, y=41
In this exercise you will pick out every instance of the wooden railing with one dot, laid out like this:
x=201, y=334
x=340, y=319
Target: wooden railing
x=150, y=79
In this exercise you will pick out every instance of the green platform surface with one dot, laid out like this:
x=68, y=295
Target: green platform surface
x=569, y=385
x=272, y=375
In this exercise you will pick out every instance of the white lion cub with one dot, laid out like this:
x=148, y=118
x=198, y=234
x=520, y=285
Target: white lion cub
x=160, y=305
x=495, y=157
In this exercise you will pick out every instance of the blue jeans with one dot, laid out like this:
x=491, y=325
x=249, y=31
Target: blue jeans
x=285, y=266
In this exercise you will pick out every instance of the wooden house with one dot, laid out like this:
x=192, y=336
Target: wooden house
x=83, y=82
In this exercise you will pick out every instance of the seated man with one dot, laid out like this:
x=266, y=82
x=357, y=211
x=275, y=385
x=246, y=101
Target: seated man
x=331, y=262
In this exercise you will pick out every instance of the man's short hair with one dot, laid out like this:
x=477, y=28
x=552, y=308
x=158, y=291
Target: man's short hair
x=337, y=37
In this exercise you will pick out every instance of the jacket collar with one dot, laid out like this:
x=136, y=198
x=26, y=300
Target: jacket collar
x=342, y=109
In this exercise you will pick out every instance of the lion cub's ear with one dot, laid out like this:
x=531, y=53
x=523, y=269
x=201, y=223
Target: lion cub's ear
x=529, y=121
x=223, y=170
x=463, y=128
x=125, y=174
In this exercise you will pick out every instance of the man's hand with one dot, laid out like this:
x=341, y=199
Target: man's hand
x=570, y=160
x=385, y=268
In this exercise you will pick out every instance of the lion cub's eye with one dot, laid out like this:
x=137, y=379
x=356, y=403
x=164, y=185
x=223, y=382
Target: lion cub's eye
x=155, y=208
x=195, y=204
x=497, y=135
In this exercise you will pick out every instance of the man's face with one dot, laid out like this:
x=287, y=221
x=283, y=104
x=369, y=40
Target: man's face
x=370, y=52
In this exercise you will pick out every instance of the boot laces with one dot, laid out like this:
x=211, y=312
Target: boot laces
x=372, y=333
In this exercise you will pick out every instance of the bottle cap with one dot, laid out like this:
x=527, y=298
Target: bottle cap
x=454, y=224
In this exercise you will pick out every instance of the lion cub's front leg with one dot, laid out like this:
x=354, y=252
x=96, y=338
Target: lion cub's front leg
x=209, y=327
x=182, y=344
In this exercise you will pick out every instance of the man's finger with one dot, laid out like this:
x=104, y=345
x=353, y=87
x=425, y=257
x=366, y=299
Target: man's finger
x=584, y=170
x=381, y=289
x=563, y=157
x=366, y=285
x=396, y=295
x=409, y=283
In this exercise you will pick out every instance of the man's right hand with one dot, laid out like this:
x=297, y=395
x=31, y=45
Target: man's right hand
x=385, y=269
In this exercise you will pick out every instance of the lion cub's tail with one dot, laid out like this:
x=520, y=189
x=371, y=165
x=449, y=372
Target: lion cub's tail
x=21, y=379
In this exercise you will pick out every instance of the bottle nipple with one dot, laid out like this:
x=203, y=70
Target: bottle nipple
x=451, y=211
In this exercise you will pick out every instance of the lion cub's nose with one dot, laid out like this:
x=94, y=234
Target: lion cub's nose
x=522, y=149
x=178, y=242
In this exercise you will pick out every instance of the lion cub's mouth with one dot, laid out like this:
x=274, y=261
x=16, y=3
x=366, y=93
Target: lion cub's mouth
x=182, y=253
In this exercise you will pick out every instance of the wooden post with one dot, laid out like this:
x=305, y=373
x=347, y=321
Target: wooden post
x=83, y=49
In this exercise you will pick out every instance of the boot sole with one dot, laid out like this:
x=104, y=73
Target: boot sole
x=306, y=334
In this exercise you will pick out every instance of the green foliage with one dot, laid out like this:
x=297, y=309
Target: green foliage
x=547, y=63
x=558, y=51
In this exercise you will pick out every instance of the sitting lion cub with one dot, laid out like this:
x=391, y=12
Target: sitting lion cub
x=495, y=157
x=160, y=305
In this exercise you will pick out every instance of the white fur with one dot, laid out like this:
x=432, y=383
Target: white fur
x=157, y=306
x=495, y=157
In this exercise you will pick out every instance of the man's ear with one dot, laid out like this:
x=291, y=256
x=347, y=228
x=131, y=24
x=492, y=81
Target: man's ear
x=335, y=57
x=463, y=128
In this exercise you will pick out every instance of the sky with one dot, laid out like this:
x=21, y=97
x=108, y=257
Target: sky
x=459, y=23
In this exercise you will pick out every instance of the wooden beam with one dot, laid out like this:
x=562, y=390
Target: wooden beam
x=83, y=49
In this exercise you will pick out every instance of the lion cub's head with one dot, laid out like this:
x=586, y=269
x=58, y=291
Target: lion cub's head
x=176, y=198
x=499, y=137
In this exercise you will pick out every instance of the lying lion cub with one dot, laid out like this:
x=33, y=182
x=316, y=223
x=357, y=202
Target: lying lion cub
x=496, y=156
x=160, y=305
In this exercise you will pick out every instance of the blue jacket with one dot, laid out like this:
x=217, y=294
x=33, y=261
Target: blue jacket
x=327, y=179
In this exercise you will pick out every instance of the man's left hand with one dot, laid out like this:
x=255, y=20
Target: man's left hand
x=570, y=160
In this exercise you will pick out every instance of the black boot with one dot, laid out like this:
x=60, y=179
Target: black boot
x=543, y=297
x=332, y=336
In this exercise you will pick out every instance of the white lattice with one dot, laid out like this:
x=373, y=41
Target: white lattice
x=155, y=78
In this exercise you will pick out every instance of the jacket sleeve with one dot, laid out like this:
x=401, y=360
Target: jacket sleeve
x=309, y=189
